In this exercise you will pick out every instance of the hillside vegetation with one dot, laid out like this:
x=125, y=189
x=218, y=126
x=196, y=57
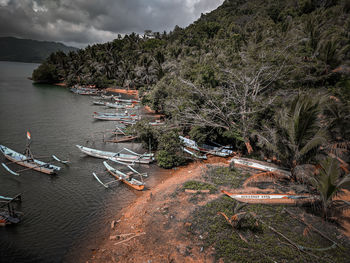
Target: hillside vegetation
x=28, y=50
x=270, y=78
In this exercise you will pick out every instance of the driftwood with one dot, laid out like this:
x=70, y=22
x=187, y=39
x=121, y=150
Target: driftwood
x=126, y=240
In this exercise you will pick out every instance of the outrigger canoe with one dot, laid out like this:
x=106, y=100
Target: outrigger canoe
x=271, y=198
x=122, y=157
x=30, y=163
x=125, y=178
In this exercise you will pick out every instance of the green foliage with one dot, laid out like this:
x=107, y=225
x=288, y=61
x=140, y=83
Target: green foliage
x=329, y=183
x=45, y=73
x=298, y=133
x=196, y=185
x=169, y=152
x=224, y=176
x=262, y=244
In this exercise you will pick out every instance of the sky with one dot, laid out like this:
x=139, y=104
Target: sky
x=82, y=22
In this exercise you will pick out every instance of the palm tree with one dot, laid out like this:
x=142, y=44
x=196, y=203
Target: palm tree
x=329, y=183
x=297, y=135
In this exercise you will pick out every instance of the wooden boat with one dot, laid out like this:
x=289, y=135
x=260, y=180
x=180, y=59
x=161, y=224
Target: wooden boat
x=258, y=165
x=125, y=178
x=118, y=106
x=27, y=161
x=125, y=138
x=131, y=101
x=122, y=114
x=204, y=157
x=106, y=97
x=219, y=151
x=271, y=198
x=131, y=158
x=8, y=215
x=99, y=103
x=84, y=91
x=114, y=118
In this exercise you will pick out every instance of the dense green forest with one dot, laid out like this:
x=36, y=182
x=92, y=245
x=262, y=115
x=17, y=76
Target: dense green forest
x=270, y=78
x=28, y=50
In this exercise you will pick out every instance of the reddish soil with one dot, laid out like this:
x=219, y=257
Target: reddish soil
x=153, y=228
x=124, y=91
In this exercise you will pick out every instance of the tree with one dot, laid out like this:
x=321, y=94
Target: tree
x=234, y=105
x=297, y=133
x=329, y=183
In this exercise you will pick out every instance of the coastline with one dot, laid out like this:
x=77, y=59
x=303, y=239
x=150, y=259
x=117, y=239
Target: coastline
x=153, y=228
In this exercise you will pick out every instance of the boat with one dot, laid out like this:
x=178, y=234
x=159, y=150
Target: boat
x=114, y=117
x=204, y=157
x=125, y=138
x=126, y=178
x=99, y=103
x=122, y=114
x=258, y=165
x=130, y=101
x=8, y=215
x=271, y=198
x=27, y=161
x=84, y=91
x=122, y=157
x=209, y=149
x=108, y=97
x=118, y=106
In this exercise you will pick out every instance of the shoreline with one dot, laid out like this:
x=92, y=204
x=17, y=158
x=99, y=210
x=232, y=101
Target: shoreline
x=153, y=227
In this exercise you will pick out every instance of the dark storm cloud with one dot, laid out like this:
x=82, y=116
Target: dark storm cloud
x=80, y=22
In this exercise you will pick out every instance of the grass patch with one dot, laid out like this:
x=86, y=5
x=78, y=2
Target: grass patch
x=196, y=185
x=219, y=175
x=263, y=244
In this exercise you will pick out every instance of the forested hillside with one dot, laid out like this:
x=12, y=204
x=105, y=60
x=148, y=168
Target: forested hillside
x=238, y=75
x=28, y=50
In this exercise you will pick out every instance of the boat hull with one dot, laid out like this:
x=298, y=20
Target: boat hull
x=34, y=165
x=114, y=156
x=137, y=187
x=273, y=199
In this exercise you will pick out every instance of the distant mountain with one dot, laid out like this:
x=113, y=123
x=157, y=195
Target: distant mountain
x=28, y=50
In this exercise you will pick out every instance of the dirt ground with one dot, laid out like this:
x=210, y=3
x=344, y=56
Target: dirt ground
x=153, y=228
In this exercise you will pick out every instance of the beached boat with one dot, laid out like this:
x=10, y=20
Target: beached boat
x=124, y=114
x=219, y=151
x=109, y=97
x=84, y=91
x=118, y=106
x=204, y=157
x=27, y=161
x=130, y=101
x=258, y=165
x=132, y=157
x=114, y=117
x=125, y=138
x=271, y=198
x=126, y=178
x=99, y=103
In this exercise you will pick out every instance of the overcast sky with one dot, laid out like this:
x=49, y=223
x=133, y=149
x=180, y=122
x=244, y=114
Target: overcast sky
x=82, y=22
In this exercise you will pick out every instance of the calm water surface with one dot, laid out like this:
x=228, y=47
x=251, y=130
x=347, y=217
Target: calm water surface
x=65, y=216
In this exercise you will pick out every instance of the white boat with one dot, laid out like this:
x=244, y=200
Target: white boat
x=257, y=165
x=122, y=157
x=25, y=161
x=271, y=198
x=219, y=151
